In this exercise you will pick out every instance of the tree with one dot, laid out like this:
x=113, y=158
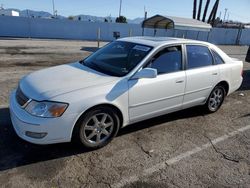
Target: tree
x=71, y=17
x=121, y=19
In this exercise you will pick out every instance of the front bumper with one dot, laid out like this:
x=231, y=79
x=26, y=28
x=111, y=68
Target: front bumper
x=57, y=129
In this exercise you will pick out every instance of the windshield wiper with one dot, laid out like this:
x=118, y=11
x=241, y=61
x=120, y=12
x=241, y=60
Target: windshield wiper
x=81, y=61
x=97, y=68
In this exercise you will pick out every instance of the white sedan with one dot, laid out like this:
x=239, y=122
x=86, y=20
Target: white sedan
x=127, y=81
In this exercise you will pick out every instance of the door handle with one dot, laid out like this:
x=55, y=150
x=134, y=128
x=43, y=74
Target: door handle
x=179, y=81
x=215, y=73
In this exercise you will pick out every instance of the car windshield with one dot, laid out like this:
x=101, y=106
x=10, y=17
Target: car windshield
x=117, y=58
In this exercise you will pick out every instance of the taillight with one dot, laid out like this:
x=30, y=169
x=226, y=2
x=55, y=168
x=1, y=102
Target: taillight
x=242, y=72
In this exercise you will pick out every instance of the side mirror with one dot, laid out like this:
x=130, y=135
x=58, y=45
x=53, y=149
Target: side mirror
x=146, y=73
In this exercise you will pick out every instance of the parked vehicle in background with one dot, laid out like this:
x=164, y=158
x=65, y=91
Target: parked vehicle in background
x=248, y=55
x=127, y=81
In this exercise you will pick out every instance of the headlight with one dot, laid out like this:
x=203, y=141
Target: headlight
x=46, y=109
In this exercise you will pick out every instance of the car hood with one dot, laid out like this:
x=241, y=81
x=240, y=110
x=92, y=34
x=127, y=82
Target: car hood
x=51, y=82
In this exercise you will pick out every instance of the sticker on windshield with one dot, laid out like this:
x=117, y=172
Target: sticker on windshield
x=141, y=48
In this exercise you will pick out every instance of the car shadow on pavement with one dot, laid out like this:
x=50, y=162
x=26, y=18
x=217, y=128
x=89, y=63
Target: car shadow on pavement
x=15, y=152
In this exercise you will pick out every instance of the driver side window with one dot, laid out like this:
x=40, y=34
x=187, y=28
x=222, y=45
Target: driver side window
x=168, y=60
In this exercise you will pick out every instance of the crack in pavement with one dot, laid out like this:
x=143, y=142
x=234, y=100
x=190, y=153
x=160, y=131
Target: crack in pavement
x=90, y=175
x=225, y=156
x=182, y=156
x=141, y=147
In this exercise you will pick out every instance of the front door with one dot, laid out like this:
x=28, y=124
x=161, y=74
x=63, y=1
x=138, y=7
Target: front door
x=149, y=97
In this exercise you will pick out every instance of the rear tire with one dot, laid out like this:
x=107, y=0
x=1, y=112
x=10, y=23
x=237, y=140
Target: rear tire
x=215, y=99
x=97, y=127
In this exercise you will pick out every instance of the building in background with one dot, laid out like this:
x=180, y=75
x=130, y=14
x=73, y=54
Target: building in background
x=8, y=12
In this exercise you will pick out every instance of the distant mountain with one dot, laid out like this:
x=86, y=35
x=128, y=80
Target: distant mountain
x=32, y=13
x=82, y=17
x=136, y=20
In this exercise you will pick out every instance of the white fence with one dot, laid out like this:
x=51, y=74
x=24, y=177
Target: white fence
x=69, y=29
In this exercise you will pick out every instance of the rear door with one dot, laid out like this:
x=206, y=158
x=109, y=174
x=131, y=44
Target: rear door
x=201, y=75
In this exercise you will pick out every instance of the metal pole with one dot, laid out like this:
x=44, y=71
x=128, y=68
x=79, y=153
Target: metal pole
x=228, y=17
x=120, y=10
x=197, y=35
x=53, y=4
x=98, y=37
x=239, y=35
x=225, y=14
x=208, y=34
x=130, y=32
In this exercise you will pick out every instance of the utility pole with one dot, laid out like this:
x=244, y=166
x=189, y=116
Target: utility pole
x=120, y=8
x=225, y=14
x=145, y=13
x=228, y=17
x=53, y=4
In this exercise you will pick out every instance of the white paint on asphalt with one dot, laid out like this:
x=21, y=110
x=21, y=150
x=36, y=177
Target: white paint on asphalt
x=180, y=157
x=4, y=106
x=16, y=72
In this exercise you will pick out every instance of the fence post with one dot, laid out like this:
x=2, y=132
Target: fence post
x=208, y=34
x=98, y=37
x=130, y=32
x=197, y=35
x=237, y=42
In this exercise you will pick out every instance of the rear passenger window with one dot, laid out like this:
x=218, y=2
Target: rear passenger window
x=217, y=58
x=198, y=56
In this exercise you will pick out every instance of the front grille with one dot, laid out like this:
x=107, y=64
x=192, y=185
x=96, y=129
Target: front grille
x=20, y=97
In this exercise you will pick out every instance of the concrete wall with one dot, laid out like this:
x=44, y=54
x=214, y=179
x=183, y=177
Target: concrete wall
x=68, y=29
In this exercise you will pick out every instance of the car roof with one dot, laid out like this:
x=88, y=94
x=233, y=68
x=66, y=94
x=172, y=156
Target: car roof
x=158, y=41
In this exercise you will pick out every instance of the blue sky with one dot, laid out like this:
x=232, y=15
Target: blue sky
x=238, y=9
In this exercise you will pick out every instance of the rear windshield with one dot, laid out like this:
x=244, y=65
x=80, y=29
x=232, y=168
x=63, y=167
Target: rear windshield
x=117, y=58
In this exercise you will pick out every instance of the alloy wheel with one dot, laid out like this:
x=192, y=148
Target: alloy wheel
x=98, y=128
x=216, y=99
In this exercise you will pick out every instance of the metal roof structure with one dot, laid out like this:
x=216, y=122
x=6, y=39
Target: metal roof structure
x=171, y=22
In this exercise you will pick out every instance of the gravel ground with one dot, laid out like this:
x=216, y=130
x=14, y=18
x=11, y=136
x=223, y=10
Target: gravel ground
x=183, y=149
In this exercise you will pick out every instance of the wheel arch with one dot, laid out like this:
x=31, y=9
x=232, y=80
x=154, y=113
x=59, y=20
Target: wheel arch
x=225, y=84
x=119, y=113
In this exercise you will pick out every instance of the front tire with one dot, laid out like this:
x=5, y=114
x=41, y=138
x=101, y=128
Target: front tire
x=215, y=99
x=97, y=127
